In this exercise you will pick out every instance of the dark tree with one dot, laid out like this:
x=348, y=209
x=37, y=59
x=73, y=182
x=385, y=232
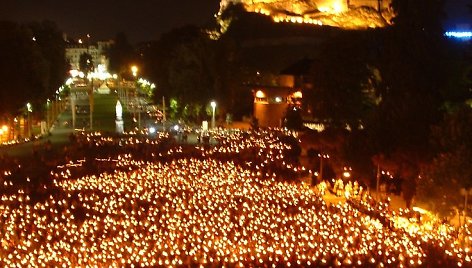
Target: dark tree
x=24, y=72
x=341, y=74
x=86, y=63
x=121, y=55
x=183, y=61
x=52, y=46
x=411, y=64
x=450, y=170
x=293, y=118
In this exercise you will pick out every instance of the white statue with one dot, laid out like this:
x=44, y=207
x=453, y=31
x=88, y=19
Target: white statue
x=119, y=111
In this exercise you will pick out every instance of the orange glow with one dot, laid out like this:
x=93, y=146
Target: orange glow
x=298, y=95
x=334, y=13
x=260, y=94
x=177, y=210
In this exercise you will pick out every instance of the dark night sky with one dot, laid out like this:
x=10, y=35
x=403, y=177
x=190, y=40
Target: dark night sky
x=142, y=19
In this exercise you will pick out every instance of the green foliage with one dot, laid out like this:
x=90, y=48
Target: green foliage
x=147, y=88
x=174, y=108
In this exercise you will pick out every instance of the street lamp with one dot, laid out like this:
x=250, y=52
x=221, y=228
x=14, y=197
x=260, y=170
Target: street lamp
x=213, y=106
x=48, y=104
x=29, y=109
x=347, y=172
x=134, y=70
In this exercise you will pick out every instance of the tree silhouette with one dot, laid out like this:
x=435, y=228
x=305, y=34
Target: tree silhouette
x=121, y=55
x=86, y=63
x=52, y=46
x=450, y=171
x=24, y=72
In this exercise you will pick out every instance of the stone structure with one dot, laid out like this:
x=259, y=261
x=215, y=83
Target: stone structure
x=349, y=14
x=97, y=51
x=304, y=6
x=272, y=102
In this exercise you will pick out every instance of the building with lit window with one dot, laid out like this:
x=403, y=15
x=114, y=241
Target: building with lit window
x=97, y=51
x=272, y=102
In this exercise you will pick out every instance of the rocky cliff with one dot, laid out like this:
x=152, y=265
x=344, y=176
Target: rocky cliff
x=347, y=14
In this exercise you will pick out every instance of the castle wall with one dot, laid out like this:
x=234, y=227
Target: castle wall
x=385, y=4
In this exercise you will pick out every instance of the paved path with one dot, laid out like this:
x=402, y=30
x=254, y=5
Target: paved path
x=59, y=137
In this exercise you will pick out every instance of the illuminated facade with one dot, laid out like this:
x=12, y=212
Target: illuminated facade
x=97, y=51
x=348, y=14
x=272, y=102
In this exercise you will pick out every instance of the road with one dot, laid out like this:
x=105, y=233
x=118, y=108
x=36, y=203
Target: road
x=59, y=137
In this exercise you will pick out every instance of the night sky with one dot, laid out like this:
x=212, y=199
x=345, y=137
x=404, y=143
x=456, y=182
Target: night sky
x=143, y=20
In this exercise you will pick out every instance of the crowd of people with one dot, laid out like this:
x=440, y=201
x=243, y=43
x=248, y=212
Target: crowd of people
x=133, y=200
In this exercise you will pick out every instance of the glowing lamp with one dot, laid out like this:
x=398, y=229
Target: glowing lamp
x=134, y=70
x=298, y=95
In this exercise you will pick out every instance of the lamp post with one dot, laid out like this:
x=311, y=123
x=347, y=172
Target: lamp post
x=466, y=192
x=213, y=106
x=377, y=186
x=134, y=70
x=29, y=109
x=321, y=156
x=48, y=105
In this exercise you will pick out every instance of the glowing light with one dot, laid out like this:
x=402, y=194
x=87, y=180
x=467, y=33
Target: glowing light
x=260, y=94
x=173, y=209
x=338, y=7
x=298, y=95
x=134, y=70
x=459, y=35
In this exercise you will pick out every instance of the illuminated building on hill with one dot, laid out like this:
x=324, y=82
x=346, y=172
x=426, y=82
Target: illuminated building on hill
x=347, y=14
x=271, y=102
x=97, y=51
